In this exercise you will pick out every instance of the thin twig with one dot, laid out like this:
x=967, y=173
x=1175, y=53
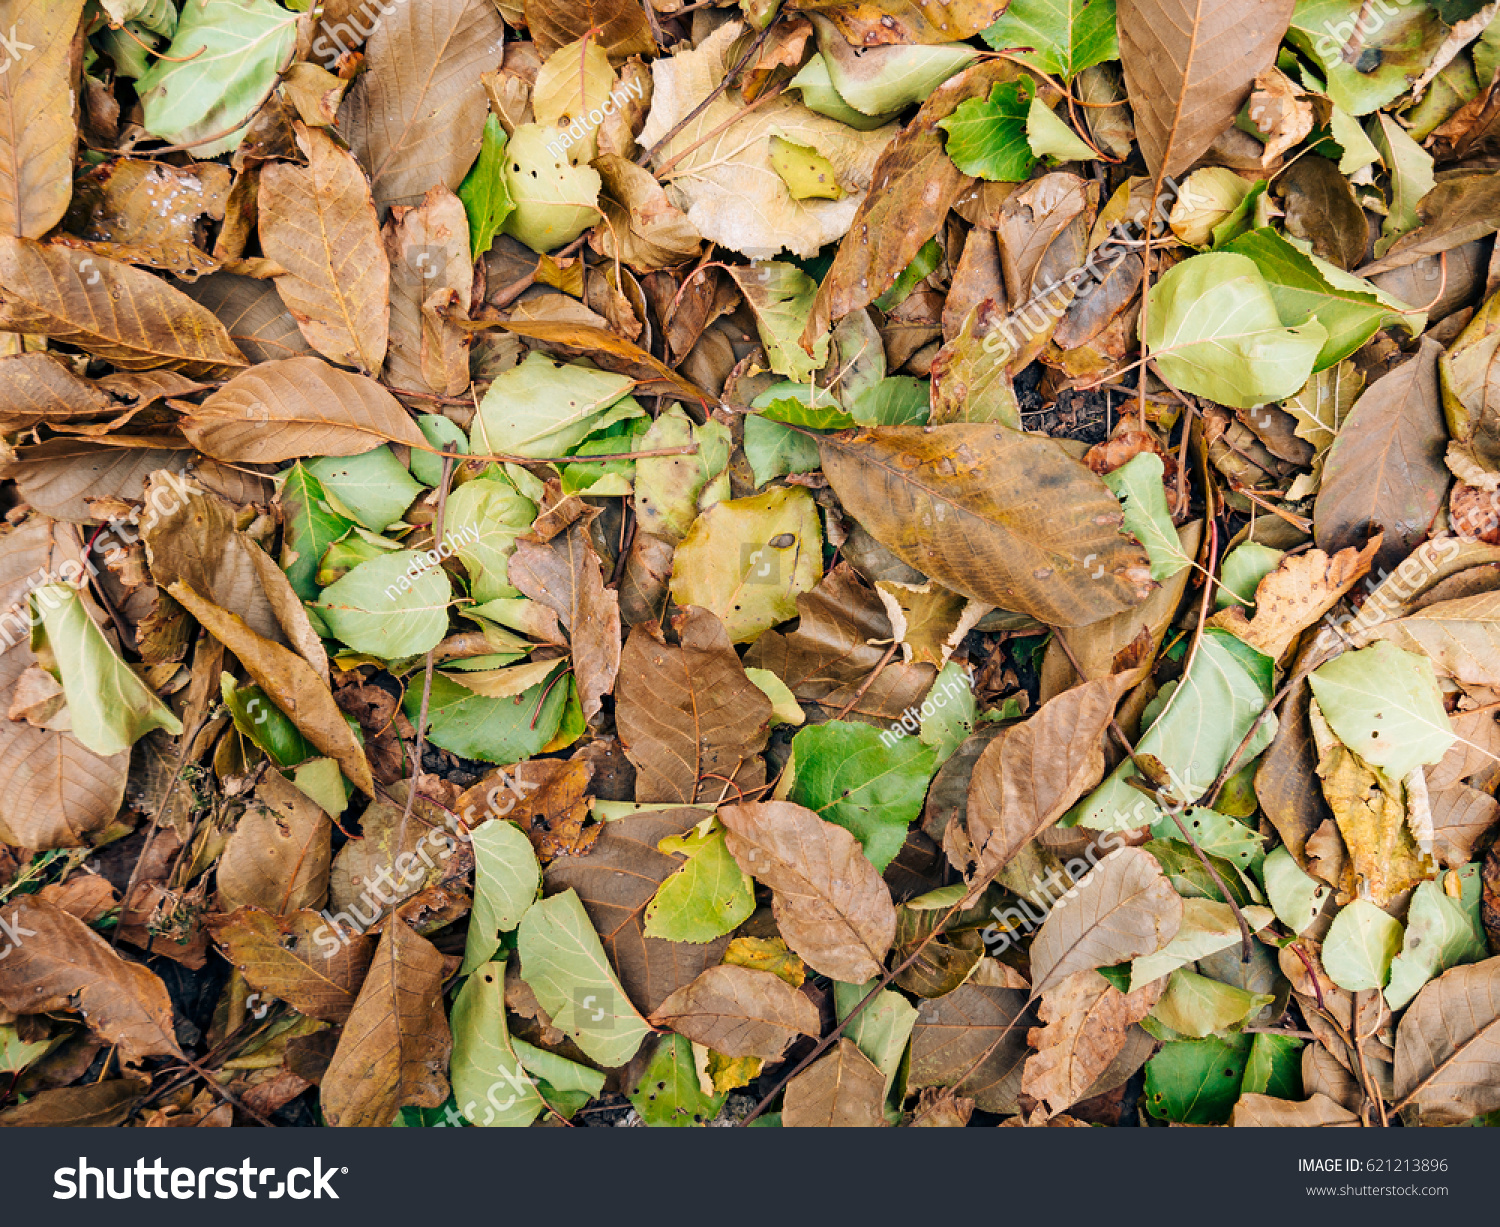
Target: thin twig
x=868, y=682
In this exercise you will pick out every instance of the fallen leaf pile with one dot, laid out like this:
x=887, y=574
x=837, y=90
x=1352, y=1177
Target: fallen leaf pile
x=802, y=562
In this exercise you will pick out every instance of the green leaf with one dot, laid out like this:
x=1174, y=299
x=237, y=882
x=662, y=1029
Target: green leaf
x=886, y=79
x=1196, y=1006
x=808, y=175
x=1275, y=1066
x=546, y=408
x=1410, y=168
x=1441, y=932
x=987, y=138
x=265, y=724
x=1204, y=720
x=774, y=450
x=821, y=97
x=484, y=192
x=1390, y=56
x=443, y=433
x=1215, y=331
x=1360, y=945
x=1219, y=835
x=554, y=195
x=375, y=488
x=802, y=404
x=1208, y=926
x=222, y=64
x=847, y=775
x=898, y=400
x=784, y=706
x=482, y=521
x=1244, y=567
x=1349, y=308
x=1138, y=485
x=110, y=707
x=393, y=607
x=883, y=1027
x=1049, y=137
x=563, y=962
x=506, y=880
x=1196, y=1082
x=669, y=1094
x=564, y=1084
x=311, y=527
x=922, y=266
x=1385, y=705
x=780, y=296
x=1062, y=37
x=946, y=725
x=492, y=730
x=1296, y=897
x=489, y=1084
x=706, y=898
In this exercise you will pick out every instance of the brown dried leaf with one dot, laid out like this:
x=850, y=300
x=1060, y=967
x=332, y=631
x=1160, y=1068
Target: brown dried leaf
x=415, y=116
x=1266, y=1112
x=1124, y=908
x=257, y=320
x=278, y=854
x=1448, y=1046
x=296, y=958
x=841, y=1090
x=689, y=712
x=565, y=576
x=394, y=1050
x=318, y=224
x=431, y=272
x=830, y=904
x=974, y=1041
x=740, y=1012
x=1003, y=517
x=56, y=962
x=1189, y=67
x=618, y=26
x=95, y=1105
x=38, y=115
x=125, y=315
x=38, y=388
x=317, y=409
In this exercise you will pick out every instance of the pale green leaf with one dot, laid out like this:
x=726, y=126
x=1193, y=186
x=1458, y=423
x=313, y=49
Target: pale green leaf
x=1441, y=932
x=1360, y=945
x=490, y=1086
x=546, y=408
x=1385, y=705
x=709, y=896
x=393, y=607
x=1138, y=485
x=506, y=880
x=373, y=488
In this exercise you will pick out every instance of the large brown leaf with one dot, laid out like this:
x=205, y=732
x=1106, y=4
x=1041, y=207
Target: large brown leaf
x=618, y=26
x=1124, y=908
x=974, y=1041
x=689, y=712
x=1465, y=206
x=416, y=114
x=1385, y=470
x=292, y=683
x=257, y=320
x=61, y=477
x=278, y=854
x=1088, y=1025
x=828, y=660
x=317, y=410
x=841, y=1090
x=38, y=115
x=54, y=791
x=114, y=311
x=96, y=1105
x=318, y=223
x=615, y=881
x=1189, y=66
x=1026, y=779
x=1265, y=1112
x=831, y=906
x=740, y=1012
x=564, y=575
x=1006, y=518
x=296, y=959
x=394, y=1050
x=56, y=962
x=1448, y=1046
x=37, y=388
